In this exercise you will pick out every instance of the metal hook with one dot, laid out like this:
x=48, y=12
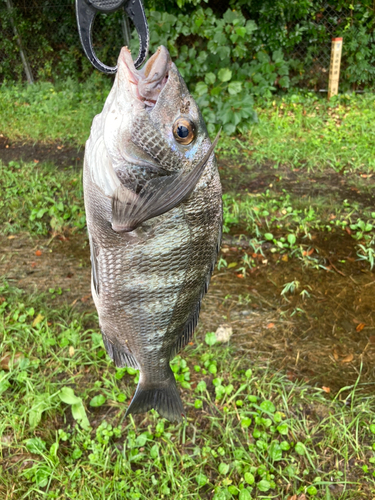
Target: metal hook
x=86, y=11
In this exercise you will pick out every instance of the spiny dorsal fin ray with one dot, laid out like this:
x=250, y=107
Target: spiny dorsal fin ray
x=189, y=328
x=158, y=196
x=94, y=264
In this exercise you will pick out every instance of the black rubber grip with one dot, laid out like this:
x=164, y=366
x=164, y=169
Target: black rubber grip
x=86, y=11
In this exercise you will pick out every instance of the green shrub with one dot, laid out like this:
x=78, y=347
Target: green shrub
x=227, y=53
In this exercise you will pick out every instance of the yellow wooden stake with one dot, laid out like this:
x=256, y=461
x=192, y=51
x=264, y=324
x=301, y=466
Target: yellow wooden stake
x=334, y=68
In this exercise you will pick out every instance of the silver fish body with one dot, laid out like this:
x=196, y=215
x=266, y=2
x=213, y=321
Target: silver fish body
x=154, y=218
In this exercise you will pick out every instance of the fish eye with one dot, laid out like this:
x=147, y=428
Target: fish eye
x=184, y=130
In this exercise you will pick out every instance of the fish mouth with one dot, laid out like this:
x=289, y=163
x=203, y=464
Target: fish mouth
x=148, y=82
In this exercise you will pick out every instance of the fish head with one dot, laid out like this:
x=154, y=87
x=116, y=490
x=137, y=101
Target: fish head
x=150, y=126
x=154, y=105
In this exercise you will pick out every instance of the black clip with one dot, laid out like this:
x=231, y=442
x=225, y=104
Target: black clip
x=86, y=11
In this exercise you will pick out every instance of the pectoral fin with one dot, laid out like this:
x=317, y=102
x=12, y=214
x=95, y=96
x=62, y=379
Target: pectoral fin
x=158, y=196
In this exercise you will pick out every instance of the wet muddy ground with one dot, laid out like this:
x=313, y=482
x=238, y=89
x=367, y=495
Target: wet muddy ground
x=62, y=155
x=323, y=338
x=325, y=335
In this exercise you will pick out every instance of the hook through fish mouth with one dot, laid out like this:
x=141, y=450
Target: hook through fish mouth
x=148, y=82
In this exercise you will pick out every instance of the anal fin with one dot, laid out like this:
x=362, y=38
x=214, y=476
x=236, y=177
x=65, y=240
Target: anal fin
x=120, y=357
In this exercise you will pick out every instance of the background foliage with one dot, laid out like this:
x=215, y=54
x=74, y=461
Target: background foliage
x=227, y=52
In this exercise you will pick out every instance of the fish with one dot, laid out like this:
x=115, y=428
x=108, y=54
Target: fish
x=153, y=202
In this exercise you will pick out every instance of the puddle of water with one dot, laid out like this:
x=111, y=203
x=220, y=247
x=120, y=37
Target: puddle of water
x=322, y=336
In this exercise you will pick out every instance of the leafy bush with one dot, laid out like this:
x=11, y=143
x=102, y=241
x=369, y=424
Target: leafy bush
x=226, y=52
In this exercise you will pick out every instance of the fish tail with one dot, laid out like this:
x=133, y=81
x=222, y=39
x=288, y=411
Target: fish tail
x=163, y=397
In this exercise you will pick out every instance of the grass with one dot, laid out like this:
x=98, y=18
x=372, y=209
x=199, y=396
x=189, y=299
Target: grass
x=250, y=432
x=311, y=133
x=40, y=199
x=286, y=223
x=300, y=131
x=47, y=112
x=286, y=214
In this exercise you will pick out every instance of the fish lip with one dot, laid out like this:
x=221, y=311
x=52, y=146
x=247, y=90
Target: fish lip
x=146, y=84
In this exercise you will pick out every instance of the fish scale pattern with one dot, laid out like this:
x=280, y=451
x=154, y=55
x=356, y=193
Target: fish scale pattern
x=142, y=295
x=204, y=220
x=200, y=211
x=145, y=135
x=135, y=177
x=148, y=283
x=140, y=282
x=152, y=284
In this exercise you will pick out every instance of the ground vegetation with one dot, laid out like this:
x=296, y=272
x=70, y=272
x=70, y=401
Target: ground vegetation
x=284, y=408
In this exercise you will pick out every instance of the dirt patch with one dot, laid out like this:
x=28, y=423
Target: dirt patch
x=321, y=333
x=62, y=155
x=323, y=336
x=239, y=175
x=43, y=265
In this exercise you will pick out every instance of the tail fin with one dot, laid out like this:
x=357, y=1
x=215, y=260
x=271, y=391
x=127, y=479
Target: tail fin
x=163, y=397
